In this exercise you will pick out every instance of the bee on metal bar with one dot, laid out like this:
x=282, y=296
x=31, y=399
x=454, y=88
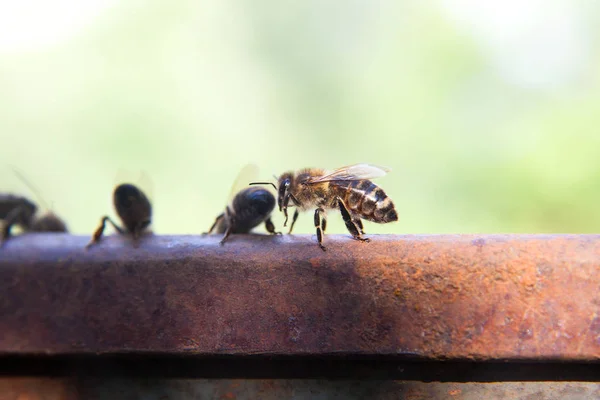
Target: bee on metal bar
x=134, y=210
x=20, y=211
x=247, y=209
x=347, y=189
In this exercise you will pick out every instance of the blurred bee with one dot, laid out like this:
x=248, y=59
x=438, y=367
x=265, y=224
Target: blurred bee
x=347, y=188
x=249, y=208
x=20, y=211
x=134, y=210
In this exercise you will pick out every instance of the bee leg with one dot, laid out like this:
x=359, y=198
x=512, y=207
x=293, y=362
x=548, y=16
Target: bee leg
x=230, y=224
x=358, y=223
x=270, y=227
x=138, y=231
x=350, y=224
x=10, y=220
x=100, y=230
x=294, y=218
x=214, y=225
x=320, y=224
x=285, y=214
x=227, y=233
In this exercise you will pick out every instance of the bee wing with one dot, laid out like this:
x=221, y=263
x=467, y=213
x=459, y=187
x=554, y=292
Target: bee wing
x=43, y=207
x=246, y=175
x=352, y=173
x=146, y=184
x=29, y=185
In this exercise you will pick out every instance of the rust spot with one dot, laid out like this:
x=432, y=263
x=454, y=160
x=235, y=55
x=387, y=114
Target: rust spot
x=526, y=333
x=480, y=242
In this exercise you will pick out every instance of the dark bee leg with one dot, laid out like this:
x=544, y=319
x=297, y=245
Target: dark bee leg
x=357, y=221
x=270, y=227
x=10, y=220
x=214, y=225
x=320, y=224
x=227, y=233
x=230, y=225
x=138, y=231
x=351, y=225
x=98, y=233
x=294, y=218
x=285, y=214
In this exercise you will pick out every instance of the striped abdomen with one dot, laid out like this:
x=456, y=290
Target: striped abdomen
x=368, y=200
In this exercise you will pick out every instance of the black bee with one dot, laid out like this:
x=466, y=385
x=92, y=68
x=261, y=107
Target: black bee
x=249, y=208
x=134, y=210
x=20, y=211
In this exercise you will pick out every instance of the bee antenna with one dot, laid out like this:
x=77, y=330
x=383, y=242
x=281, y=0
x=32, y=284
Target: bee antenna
x=30, y=186
x=263, y=183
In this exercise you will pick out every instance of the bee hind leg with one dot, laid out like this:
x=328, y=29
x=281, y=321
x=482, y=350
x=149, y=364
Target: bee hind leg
x=320, y=224
x=214, y=225
x=226, y=236
x=357, y=221
x=230, y=225
x=354, y=228
x=270, y=227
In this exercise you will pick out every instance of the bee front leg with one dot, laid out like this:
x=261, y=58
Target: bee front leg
x=320, y=224
x=294, y=218
x=139, y=231
x=270, y=227
x=285, y=214
x=100, y=230
x=350, y=224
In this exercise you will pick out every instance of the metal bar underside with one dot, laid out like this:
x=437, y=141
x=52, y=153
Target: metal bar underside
x=458, y=297
x=101, y=389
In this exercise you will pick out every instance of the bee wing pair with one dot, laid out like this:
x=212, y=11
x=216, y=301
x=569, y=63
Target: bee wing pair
x=351, y=173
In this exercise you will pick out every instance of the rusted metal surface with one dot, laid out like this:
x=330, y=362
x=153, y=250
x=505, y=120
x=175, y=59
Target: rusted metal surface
x=511, y=297
x=239, y=389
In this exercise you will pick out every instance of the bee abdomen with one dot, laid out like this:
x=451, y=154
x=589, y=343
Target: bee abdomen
x=370, y=202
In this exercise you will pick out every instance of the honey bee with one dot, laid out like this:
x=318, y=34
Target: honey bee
x=248, y=208
x=348, y=189
x=134, y=210
x=20, y=211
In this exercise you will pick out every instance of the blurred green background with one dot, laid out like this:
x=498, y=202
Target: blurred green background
x=488, y=113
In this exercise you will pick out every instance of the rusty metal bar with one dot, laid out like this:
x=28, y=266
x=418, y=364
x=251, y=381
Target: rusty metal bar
x=446, y=297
